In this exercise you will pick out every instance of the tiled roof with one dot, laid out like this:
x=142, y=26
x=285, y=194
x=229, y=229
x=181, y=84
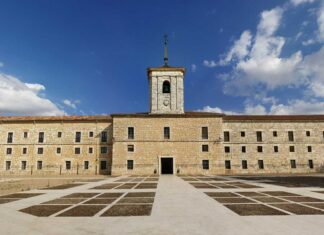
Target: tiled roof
x=54, y=118
x=273, y=118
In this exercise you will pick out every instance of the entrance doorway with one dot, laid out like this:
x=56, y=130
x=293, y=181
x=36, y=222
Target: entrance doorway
x=167, y=165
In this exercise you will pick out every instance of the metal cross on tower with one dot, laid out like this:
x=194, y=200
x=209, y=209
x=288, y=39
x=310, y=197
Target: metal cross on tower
x=165, y=50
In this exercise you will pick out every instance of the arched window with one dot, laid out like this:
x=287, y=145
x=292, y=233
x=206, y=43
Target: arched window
x=166, y=87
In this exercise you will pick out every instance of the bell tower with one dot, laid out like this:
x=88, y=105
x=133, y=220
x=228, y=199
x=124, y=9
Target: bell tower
x=166, y=87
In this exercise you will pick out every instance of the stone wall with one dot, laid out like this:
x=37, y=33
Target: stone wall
x=53, y=162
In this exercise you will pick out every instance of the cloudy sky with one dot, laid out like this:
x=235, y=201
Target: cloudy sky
x=89, y=57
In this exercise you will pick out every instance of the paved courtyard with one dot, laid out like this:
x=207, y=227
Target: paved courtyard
x=167, y=205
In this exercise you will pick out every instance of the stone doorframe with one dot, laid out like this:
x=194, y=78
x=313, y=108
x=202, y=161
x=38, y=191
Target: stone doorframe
x=160, y=165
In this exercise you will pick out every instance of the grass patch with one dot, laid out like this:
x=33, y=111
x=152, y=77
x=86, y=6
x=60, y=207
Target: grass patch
x=129, y=210
x=233, y=200
x=140, y=194
x=7, y=200
x=80, y=195
x=83, y=210
x=298, y=209
x=303, y=199
x=44, y=210
x=63, y=186
x=131, y=200
x=146, y=186
x=268, y=199
x=100, y=201
x=21, y=195
x=66, y=201
x=253, y=209
x=280, y=193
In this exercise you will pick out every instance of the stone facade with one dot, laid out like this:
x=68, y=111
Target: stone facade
x=166, y=137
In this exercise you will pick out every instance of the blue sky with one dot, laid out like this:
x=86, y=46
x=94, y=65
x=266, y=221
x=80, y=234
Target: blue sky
x=90, y=57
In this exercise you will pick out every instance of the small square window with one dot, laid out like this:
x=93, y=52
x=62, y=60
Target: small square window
x=86, y=165
x=104, y=136
x=77, y=150
x=24, y=150
x=67, y=165
x=40, y=151
x=9, y=151
x=243, y=149
x=90, y=134
x=8, y=165
x=130, y=133
x=244, y=164
x=275, y=149
x=130, y=164
x=205, y=164
x=291, y=149
x=103, y=150
x=130, y=148
x=226, y=136
x=90, y=150
x=227, y=164
x=205, y=147
x=58, y=150
x=59, y=134
x=227, y=149
x=166, y=131
x=25, y=135
x=39, y=165
x=275, y=134
x=260, y=149
x=261, y=164
x=242, y=133
x=103, y=165
x=310, y=164
x=308, y=133
x=293, y=164
x=309, y=149
x=23, y=165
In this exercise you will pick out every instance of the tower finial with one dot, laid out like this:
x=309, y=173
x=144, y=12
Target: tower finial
x=165, y=50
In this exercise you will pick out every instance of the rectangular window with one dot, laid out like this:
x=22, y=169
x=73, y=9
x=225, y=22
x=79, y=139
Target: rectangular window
x=103, y=150
x=67, y=165
x=244, y=164
x=130, y=133
x=309, y=149
x=25, y=135
x=10, y=137
x=86, y=165
x=58, y=150
x=260, y=149
x=243, y=149
x=227, y=164
x=130, y=164
x=259, y=136
x=39, y=165
x=226, y=136
x=307, y=133
x=310, y=164
x=9, y=151
x=291, y=136
x=8, y=165
x=90, y=150
x=166, y=133
x=104, y=137
x=205, y=164
x=90, y=134
x=130, y=148
x=24, y=150
x=59, y=134
x=23, y=165
x=242, y=133
x=275, y=149
x=103, y=165
x=204, y=147
x=293, y=164
x=77, y=137
x=40, y=150
x=291, y=149
x=77, y=150
x=41, y=137
x=204, y=133
x=275, y=134
x=260, y=164
x=227, y=149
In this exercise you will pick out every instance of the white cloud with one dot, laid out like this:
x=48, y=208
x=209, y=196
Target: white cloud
x=193, y=68
x=214, y=110
x=1, y=64
x=240, y=49
x=210, y=63
x=298, y=2
x=298, y=107
x=308, y=42
x=255, y=110
x=320, y=22
x=18, y=98
x=70, y=103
